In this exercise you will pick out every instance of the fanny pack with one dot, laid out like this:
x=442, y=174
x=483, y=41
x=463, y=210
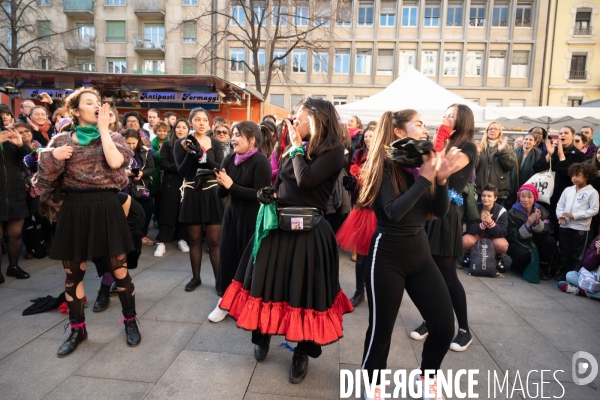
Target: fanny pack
x=139, y=192
x=205, y=179
x=299, y=218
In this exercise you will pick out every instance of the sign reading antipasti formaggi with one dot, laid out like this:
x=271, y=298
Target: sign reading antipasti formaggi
x=176, y=97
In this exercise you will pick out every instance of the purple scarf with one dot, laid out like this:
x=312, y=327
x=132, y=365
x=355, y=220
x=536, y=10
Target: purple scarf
x=416, y=172
x=240, y=158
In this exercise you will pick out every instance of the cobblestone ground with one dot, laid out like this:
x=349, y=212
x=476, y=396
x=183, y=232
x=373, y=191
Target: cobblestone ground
x=517, y=327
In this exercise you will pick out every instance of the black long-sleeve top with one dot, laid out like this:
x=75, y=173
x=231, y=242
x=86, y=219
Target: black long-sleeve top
x=188, y=163
x=308, y=183
x=248, y=177
x=406, y=215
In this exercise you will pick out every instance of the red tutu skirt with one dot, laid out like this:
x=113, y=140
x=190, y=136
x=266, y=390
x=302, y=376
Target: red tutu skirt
x=356, y=232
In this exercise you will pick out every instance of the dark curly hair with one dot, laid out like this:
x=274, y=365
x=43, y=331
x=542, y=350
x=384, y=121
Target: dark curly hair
x=589, y=172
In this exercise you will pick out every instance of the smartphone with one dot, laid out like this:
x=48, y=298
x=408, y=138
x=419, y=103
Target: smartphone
x=135, y=171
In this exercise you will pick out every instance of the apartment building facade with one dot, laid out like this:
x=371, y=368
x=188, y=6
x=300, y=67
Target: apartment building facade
x=573, y=56
x=484, y=51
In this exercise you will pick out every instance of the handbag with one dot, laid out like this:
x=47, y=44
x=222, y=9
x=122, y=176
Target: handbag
x=140, y=192
x=299, y=218
x=544, y=183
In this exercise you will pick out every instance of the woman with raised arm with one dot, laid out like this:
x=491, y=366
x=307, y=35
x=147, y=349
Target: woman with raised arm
x=90, y=160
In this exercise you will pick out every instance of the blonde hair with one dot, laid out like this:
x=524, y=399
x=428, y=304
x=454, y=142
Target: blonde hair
x=484, y=140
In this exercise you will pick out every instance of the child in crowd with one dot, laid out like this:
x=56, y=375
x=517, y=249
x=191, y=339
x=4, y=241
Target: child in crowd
x=492, y=224
x=585, y=282
x=575, y=209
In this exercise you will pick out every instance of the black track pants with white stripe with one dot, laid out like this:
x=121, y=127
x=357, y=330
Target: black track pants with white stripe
x=397, y=263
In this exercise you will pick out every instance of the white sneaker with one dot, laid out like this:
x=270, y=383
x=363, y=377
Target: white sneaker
x=430, y=392
x=183, y=246
x=377, y=394
x=217, y=315
x=160, y=250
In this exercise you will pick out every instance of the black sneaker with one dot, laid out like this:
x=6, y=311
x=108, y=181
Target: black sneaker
x=465, y=262
x=500, y=266
x=462, y=341
x=261, y=349
x=17, y=272
x=299, y=368
x=420, y=333
x=192, y=284
x=358, y=298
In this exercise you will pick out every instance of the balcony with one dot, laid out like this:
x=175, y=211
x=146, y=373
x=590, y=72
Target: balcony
x=582, y=32
x=81, y=45
x=81, y=9
x=149, y=44
x=144, y=72
x=578, y=75
x=149, y=8
x=83, y=67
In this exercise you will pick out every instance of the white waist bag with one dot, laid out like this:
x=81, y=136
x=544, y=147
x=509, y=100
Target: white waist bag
x=544, y=183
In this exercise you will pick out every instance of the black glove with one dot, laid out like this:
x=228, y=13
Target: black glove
x=408, y=152
x=194, y=145
x=349, y=183
x=266, y=195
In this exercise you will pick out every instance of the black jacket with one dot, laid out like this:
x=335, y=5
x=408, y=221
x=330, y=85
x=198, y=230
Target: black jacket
x=517, y=229
x=147, y=168
x=171, y=182
x=494, y=167
x=562, y=180
x=13, y=197
x=497, y=230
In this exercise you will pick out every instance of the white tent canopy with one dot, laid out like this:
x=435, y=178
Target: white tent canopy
x=547, y=117
x=411, y=90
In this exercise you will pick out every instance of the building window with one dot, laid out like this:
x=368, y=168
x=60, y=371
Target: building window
x=477, y=14
x=238, y=15
x=364, y=60
x=359, y=98
x=387, y=13
x=409, y=14
x=520, y=64
x=385, y=62
x=259, y=13
x=154, y=65
x=85, y=64
x=320, y=63
x=277, y=100
x=524, y=12
x=365, y=13
x=494, y=103
x=46, y=63
x=322, y=13
x=302, y=14
x=44, y=31
x=496, y=64
x=296, y=99
x=407, y=60
x=582, y=23
x=188, y=66
x=342, y=62
x=500, y=17
x=114, y=3
x=429, y=62
x=578, y=62
x=451, y=63
x=344, y=13
x=117, y=65
x=432, y=14
x=574, y=101
x=279, y=60
x=476, y=101
x=190, y=32
x=237, y=60
x=189, y=2
x=299, y=65
x=473, y=65
x=115, y=31
x=43, y=3
x=340, y=100
x=516, y=103
x=281, y=14
x=455, y=11
x=261, y=60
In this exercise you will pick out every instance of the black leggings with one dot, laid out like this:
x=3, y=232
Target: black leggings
x=447, y=266
x=398, y=263
x=359, y=269
x=213, y=237
x=14, y=240
x=74, y=285
x=148, y=207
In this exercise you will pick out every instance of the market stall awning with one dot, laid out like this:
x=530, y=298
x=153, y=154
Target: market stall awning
x=526, y=118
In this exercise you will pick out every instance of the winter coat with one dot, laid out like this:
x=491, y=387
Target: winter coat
x=562, y=180
x=526, y=171
x=13, y=196
x=169, y=191
x=496, y=229
x=517, y=228
x=494, y=167
x=147, y=168
x=583, y=204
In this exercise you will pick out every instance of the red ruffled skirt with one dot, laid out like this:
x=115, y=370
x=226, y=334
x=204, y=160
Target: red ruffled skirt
x=356, y=232
x=293, y=288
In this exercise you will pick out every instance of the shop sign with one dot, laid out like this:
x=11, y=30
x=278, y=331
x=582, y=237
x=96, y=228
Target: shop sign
x=176, y=97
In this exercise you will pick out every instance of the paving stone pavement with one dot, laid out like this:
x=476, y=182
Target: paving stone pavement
x=516, y=326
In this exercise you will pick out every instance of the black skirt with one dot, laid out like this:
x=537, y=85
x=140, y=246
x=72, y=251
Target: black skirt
x=293, y=288
x=91, y=224
x=445, y=234
x=201, y=206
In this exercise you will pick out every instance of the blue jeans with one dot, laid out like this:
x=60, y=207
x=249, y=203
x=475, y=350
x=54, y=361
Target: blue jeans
x=573, y=279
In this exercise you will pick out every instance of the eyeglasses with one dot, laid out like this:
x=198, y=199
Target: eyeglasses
x=577, y=141
x=221, y=132
x=132, y=121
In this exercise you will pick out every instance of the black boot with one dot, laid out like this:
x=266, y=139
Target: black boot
x=261, y=349
x=466, y=261
x=359, y=297
x=500, y=266
x=131, y=329
x=299, y=367
x=113, y=289
x=103, y=299
x=1, y=278
x=78, y=335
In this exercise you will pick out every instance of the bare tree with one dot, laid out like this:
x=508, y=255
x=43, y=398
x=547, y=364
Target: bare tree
x=269, y=31
x=27, y=34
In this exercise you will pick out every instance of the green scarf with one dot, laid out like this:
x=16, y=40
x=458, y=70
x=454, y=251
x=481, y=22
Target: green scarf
x=266, y=221
x=86, y=134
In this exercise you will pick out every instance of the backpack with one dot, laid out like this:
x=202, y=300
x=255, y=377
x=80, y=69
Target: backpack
x=483, y=259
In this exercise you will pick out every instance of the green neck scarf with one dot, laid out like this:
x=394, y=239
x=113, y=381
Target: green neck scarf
x=87, y=134
x=266, y=221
